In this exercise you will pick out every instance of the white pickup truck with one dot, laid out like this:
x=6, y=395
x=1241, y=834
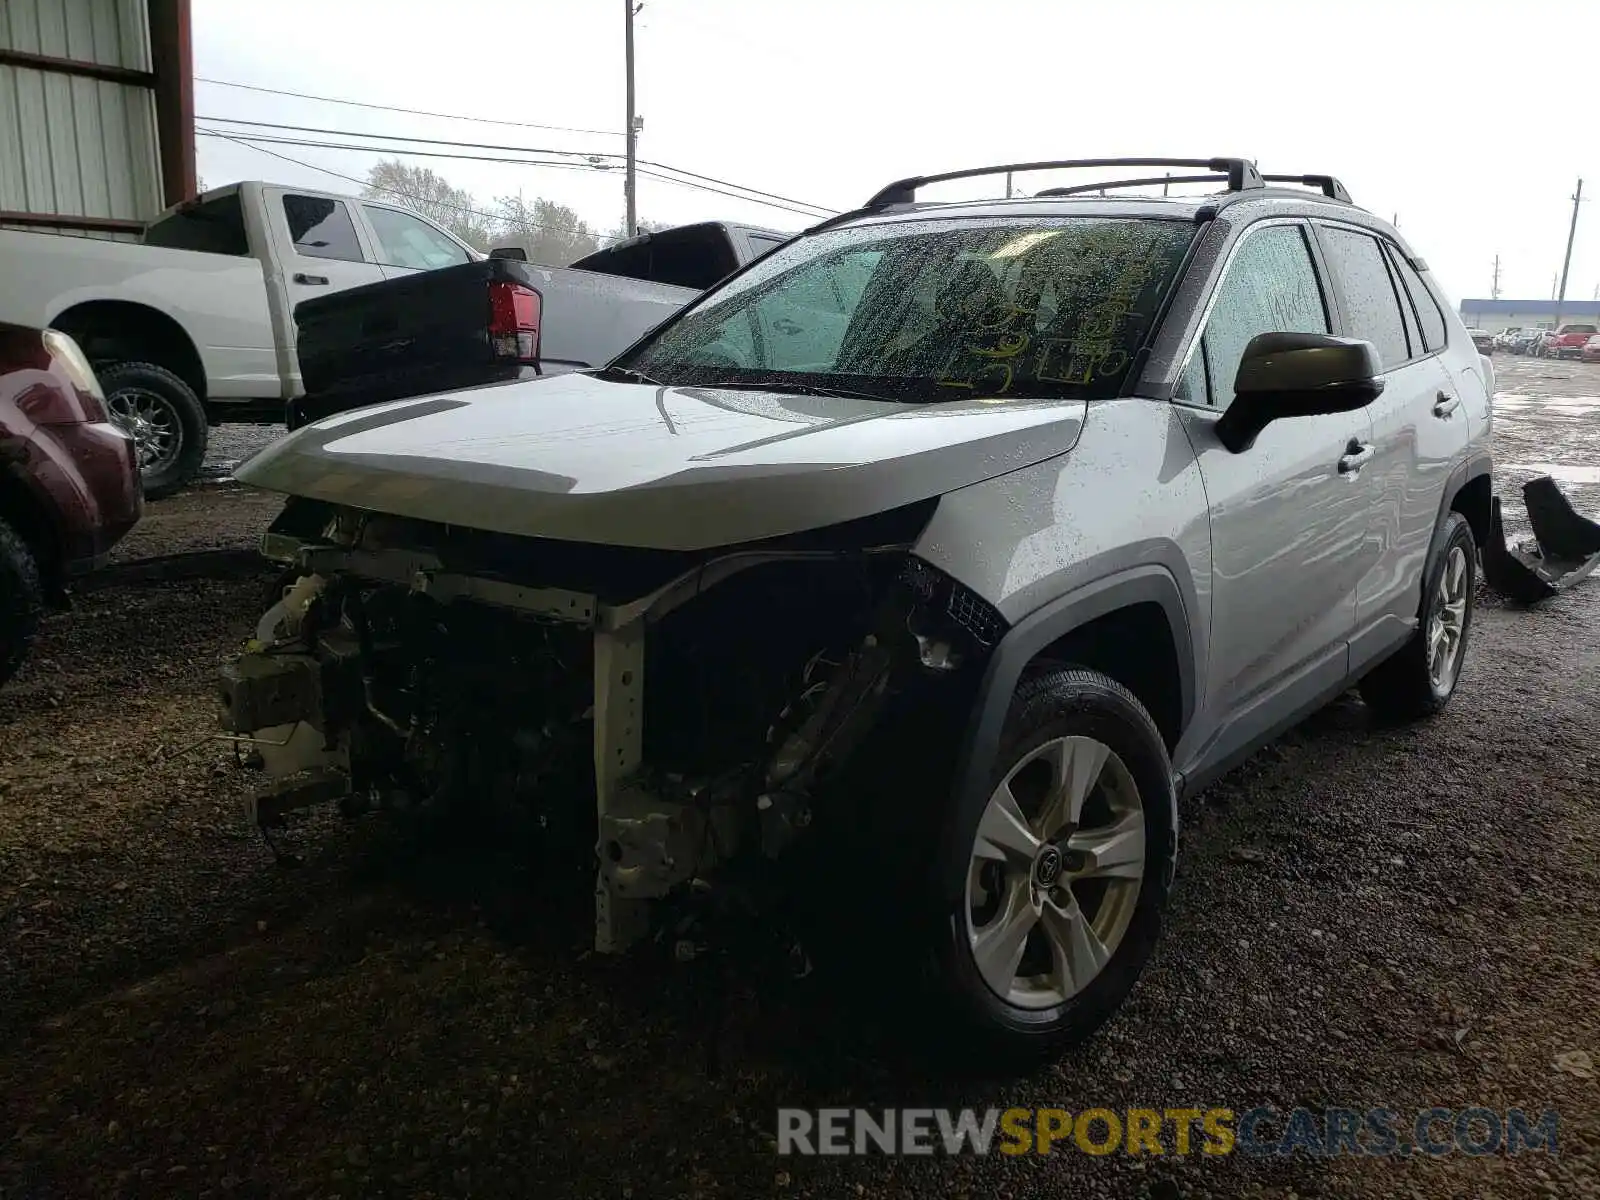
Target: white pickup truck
x=194, y=325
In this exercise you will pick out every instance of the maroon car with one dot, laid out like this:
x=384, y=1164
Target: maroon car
x=69, y=480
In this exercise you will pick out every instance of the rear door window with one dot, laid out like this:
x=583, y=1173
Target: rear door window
x=1372, y=308
x=1428, y=312
x=321, y=227
x=408, y=241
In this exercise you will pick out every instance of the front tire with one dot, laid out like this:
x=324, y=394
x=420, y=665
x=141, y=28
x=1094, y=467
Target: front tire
x=21, y=600
x=1055, y=878
x=165, y=419
x=1418, y=679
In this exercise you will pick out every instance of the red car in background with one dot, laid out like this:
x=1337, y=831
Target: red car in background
x=1570, y=341
x=69, y=480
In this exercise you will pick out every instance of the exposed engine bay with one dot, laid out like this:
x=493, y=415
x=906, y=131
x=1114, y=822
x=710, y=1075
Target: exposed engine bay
x=712, y=709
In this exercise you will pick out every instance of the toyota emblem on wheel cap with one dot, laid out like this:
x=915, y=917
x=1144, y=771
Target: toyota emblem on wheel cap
x=1048, y=869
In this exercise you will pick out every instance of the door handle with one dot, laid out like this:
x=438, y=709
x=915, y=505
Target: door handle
x=1445, y=404
x=313, y=280
x=1356, y=455
x=784, y=325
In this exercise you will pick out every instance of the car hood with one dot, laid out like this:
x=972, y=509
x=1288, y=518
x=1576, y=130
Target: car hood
x=585, y=459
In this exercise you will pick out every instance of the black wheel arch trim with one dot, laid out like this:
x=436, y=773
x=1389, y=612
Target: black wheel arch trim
x=1024, y=641
x=1477, y=465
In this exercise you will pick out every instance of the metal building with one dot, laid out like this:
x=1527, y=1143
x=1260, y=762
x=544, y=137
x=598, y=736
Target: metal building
x=96, y=113
x=1495, y=315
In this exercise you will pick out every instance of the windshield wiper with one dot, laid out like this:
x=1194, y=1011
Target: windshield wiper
x=797, y=389
x=628, y=373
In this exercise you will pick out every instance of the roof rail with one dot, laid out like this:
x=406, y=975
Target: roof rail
x=1240, y=173
x=1148, y=181
x=1326, y=184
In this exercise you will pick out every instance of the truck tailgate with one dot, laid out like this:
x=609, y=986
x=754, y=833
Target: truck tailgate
x=428, y=332
x=419, y=332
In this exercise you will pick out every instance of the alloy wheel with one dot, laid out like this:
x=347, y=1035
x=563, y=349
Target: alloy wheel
x=152, y=422
x=1447, y=623
x=1056, y=867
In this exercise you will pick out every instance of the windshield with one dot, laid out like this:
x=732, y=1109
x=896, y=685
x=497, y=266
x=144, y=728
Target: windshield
x=933, y=310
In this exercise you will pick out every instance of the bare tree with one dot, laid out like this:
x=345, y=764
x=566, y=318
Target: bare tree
x=431, y=195
x=621, y=232
x=550, y=233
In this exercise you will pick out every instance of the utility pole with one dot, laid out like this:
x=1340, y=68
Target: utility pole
x=1577, y=199
x=1494, y=288
x=630, y=130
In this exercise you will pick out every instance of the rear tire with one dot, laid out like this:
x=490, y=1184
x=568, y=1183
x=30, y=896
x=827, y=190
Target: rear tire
x=21, y=600
x=164, y=417
x=1098, y=903
x=1415, y=682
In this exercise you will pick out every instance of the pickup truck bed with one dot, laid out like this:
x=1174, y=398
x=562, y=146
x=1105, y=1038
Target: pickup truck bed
x=430, y=332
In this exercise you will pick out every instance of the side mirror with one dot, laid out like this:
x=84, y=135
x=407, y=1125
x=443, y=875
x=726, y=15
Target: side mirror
x=1297, y=375
x=512, y=252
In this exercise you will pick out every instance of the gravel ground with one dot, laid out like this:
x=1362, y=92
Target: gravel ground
x=1362, y=918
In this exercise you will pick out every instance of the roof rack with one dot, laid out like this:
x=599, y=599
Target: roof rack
x=1326, y=184
x=1148, y=181
x=1240, y=173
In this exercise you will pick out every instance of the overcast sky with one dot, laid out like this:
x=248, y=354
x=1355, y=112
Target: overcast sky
x=1471, y=121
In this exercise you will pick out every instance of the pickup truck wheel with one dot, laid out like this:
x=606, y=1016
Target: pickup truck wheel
x=21, y=600
x=1419, y=678
x=1056, y=878
x=165, y=419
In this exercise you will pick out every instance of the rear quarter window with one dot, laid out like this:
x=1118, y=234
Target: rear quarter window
x=214, y=227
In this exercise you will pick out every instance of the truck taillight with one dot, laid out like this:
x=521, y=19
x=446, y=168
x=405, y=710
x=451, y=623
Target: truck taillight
x=514, y=322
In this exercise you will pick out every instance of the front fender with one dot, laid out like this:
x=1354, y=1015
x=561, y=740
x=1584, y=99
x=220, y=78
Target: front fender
x=1026, y=639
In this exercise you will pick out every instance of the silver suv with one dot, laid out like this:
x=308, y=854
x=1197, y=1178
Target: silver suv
x=920, y=569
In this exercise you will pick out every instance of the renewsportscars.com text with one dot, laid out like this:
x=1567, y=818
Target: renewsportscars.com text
x=1255, y=1132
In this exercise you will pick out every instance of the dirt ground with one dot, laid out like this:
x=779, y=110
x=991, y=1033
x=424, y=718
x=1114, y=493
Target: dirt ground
x=1362, y=918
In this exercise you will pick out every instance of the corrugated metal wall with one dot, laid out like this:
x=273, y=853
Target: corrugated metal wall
x=72, y=145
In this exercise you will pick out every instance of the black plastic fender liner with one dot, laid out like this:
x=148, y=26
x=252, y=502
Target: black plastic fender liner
x=1512, y=575
x=1562, y=533
x=1568, y=546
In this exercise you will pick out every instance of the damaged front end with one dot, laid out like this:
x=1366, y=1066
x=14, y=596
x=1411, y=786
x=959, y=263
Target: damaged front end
x=711, y=709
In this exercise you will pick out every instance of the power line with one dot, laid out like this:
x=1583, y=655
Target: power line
x=461, y=208
x=392, y=137
x=415, y=112
x=832, y=212
x=398, y=137
x=255, y=139
x=263, y=139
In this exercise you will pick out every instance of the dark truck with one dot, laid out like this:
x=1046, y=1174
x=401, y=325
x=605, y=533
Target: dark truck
x=503, y=318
